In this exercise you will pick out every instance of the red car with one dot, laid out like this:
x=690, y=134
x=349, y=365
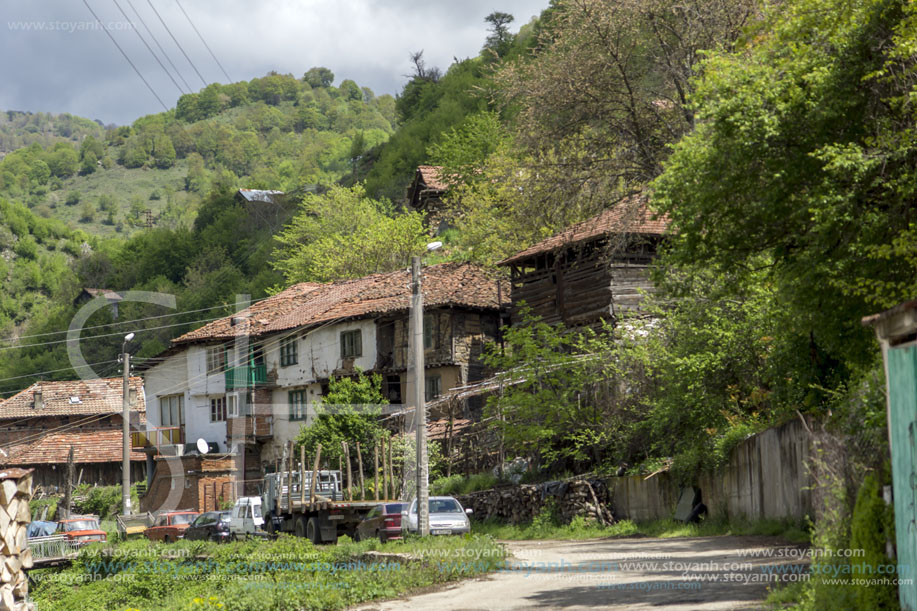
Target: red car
x=170, y=526
x=82, y=530
x=383, y=522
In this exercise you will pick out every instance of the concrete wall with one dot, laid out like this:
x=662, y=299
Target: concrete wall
x=766, y=478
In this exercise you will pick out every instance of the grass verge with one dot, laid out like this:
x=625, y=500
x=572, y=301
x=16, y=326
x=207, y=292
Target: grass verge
x=287, y=574
x=543, y=527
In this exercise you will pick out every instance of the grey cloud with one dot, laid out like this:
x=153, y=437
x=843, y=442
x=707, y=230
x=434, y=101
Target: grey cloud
x=51, y=58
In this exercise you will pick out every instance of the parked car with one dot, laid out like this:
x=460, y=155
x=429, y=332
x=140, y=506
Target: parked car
x=209, y=526
x=247, y=518
x=170, y=526
x=40, y=528
x=82, y=529
x=446, y=517
x=383, y=522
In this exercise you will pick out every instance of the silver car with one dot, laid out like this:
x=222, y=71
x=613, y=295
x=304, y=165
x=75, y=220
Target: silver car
x=446, y=517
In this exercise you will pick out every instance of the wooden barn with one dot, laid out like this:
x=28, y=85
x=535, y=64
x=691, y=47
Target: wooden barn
x=592, y=271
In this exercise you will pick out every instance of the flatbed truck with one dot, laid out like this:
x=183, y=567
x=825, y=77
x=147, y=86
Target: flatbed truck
x=318, y=513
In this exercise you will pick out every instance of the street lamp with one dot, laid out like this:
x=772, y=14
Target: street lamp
x=420, y=411
x=126, y=428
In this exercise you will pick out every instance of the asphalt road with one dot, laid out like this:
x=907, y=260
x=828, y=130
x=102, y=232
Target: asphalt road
x=627, y=574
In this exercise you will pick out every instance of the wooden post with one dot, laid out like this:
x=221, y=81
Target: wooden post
x=360, y=471
x=346, y=449
x=385, y=482
x=318, y=456
x=376, y=470
x=302, y=475
x=391, y=471
x=68, y=491
x=290, y=474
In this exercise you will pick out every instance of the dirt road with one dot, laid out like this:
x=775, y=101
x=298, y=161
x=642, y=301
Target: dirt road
x=633, y=574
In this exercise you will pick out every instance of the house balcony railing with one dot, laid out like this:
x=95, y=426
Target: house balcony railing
x=158, y=437
x=246, y=376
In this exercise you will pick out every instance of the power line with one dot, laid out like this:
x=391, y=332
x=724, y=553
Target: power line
x=149, y=48
x=127, y=322
x=99, y=21
x=203, y=41
x=161, y=50
x=63, y=341
x=38, y=373
x=175, y=40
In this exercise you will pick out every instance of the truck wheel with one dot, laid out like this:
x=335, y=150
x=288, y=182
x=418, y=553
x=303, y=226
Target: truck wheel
x=299, y=527
x=312, y=531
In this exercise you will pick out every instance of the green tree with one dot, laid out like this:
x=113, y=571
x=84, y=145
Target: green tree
x=499, y=40
x=319, y=77
x=348, y=412
x=344, y=234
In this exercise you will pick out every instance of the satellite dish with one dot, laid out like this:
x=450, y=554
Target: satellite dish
x=202, y=446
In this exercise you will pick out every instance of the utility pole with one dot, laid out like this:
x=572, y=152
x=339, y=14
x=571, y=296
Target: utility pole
x=126, y=429
x=420, y=413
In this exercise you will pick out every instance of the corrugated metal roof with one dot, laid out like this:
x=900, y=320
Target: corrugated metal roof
x=260, y=195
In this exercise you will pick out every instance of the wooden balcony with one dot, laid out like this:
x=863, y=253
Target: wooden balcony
x=153, y=439
x=246, y=376
x=251, y=428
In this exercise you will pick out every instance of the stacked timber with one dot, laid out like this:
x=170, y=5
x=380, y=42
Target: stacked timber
x=518, y=504
x=15, y=493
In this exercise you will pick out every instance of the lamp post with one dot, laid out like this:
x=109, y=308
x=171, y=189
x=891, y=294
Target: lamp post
x=420, y=412
x=126, y=428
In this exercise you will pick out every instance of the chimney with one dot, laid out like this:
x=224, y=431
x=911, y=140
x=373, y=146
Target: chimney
x=38, y=401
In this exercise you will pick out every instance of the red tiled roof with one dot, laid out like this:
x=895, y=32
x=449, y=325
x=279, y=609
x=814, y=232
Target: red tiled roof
x=97, y=396
x=631, y=216
x=446, y=284
x=89, y=446
x=431, y=176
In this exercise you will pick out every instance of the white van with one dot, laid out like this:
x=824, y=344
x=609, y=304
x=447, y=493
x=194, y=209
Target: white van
x=246, y=518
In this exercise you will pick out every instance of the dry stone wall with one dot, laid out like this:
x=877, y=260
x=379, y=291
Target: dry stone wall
x=15, y=494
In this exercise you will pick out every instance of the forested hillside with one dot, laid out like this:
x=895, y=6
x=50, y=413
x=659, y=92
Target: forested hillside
x=274, y=132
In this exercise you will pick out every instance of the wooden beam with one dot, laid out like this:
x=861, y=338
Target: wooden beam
x=318, y=456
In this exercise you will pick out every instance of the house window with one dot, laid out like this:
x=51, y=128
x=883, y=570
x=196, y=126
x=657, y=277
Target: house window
x=171, y=410
x=351, y=344
x=218, y=409
x=433, y=387
x=429, y=331
x=233, y=406
x=297, y=405
x=216, y=359
x=288, y=354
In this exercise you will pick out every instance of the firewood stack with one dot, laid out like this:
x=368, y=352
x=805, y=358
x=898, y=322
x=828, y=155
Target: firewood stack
x=517, y=504
x=15, y=493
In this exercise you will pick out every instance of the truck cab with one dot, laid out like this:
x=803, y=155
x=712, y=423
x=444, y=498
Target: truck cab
x=246, y=518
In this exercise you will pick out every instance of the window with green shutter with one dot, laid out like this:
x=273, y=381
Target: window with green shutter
x=351, y=344
x=297, y=399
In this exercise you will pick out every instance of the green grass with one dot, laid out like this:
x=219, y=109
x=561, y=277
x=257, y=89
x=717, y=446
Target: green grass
x=458, y=484
x=122, y=184
x=786, y=597
x=544, y=527
x=287, y=574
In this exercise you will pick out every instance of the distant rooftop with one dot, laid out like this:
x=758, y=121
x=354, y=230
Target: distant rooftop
x=260, y=195
x=73, y=397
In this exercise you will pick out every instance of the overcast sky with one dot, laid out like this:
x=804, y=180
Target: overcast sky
x=53, y=57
